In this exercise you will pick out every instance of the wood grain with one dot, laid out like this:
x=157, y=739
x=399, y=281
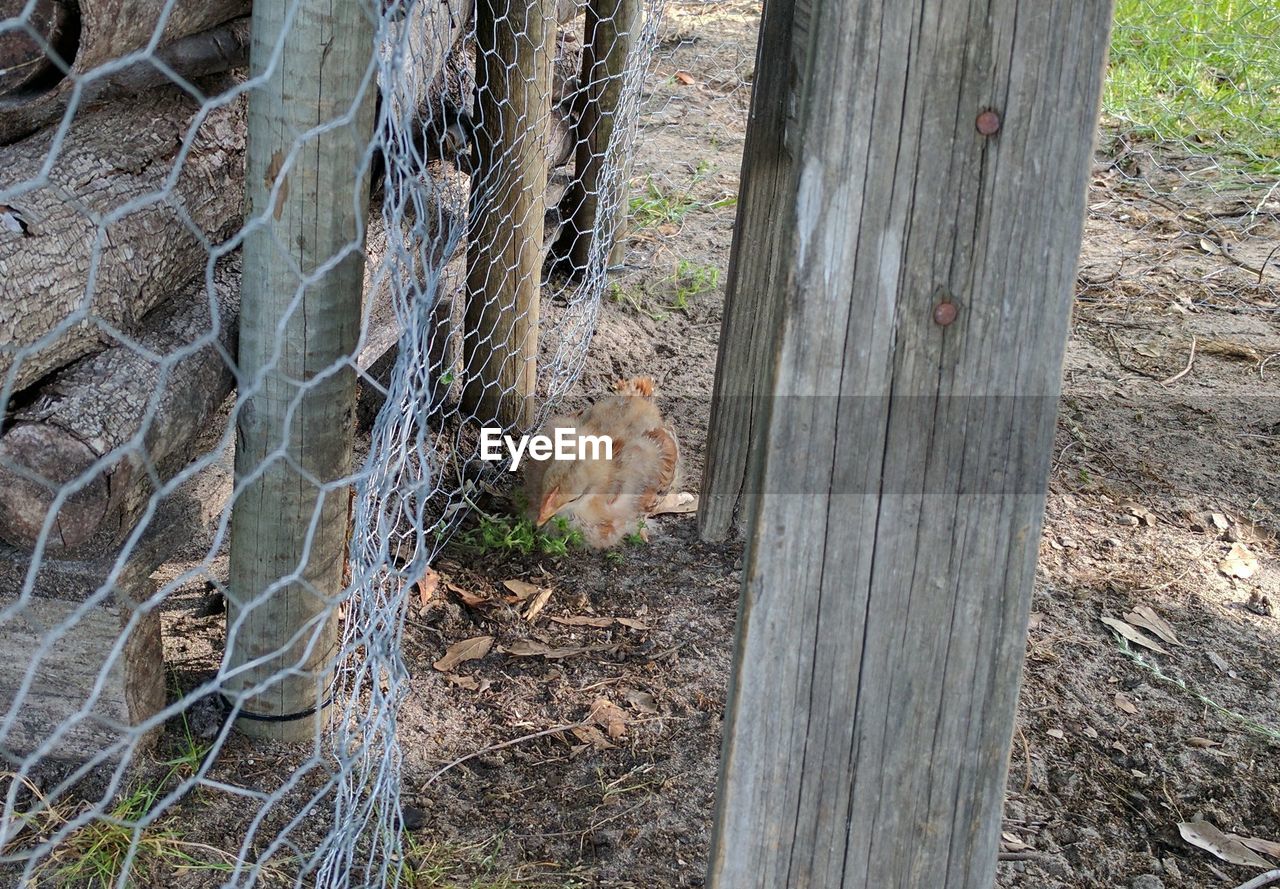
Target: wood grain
x=753, y=293
x=310, y=123
x=893, y=533
x=514, y=51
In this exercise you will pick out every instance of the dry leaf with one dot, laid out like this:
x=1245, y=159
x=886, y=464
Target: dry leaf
x=1266, y=847
x=1144, y=617
x=534, y=648
x=427, y=586
x=610, y=717
x=467, y=682
x=1208, y=246
x=677, y=504
x=1056, y=733
x=1034, y=619
x=1123, y=703
x=632, y=623
x=470, y=599
x=642, y=701
x=520, y=589
x=1091, y=732
x=466, y=650
x=685, y=77
x=1239, y=562
x=1131, y=634
x=582, y=620
x=1203, y=743
x=1217, y=661
x=1010, y=843
x=1219, y=521
x=539, y=602
x=1221, y=845
x=589, y=734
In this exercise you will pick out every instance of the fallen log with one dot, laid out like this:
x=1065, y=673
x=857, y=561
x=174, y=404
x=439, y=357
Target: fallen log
x=122, y=402
x=25, y=67
x=219, y=49
x=99, y=31
x=73, y=225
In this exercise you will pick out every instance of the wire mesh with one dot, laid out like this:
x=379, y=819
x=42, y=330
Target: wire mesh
x=121, y=221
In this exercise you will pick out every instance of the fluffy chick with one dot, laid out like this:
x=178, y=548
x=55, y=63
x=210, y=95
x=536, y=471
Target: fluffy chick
x=608, y=499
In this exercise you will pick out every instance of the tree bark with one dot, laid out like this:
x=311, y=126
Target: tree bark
x=120, y=402
x=106, y=238
x=209, y=52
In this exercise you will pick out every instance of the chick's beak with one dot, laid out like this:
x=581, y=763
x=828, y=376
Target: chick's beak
x=550, y=506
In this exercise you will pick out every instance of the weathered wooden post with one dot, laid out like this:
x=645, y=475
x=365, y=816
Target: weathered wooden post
x=310, y=122
x=508, y=202
x=611, y=29
x=926, y=249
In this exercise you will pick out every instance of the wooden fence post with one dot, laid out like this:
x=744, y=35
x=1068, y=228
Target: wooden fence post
x=941, y=155
x=751, y=300
x=610, y=33
x=514, y=40
x=307, y=195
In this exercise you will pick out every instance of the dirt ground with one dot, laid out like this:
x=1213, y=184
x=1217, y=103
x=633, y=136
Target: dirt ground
x=1165, y=493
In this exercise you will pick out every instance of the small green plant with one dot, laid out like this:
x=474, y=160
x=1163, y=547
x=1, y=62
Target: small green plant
x=635, y=299
x=613, y=557
x=655, y=206
x=506, y=534
x=692, y=280
x=637, y=537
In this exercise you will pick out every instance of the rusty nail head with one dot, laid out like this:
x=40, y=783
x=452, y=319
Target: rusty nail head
x=944, y=313
x=988, y=123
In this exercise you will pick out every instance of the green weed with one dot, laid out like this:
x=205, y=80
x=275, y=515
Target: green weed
x=506, y=534
x=692, y=280
x=657, y=206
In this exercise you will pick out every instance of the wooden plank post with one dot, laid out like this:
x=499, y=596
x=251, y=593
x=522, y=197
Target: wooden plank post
x=310, y=122
x=926, y=280
x=514, y=40
x=610, y=33
x=744, y=363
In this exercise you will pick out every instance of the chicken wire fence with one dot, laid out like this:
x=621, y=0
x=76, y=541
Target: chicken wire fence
x=122, y=218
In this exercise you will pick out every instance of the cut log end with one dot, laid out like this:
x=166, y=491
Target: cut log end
x=35, y=462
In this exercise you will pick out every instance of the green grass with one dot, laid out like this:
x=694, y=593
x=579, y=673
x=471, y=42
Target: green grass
x=1204, y=74
x=95, y=854
x=440, y=865
x=656, y=206
x=692, y=280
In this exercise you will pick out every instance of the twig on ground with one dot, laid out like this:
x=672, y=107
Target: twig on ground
x=1263, y=365
x=555, y=729
x=1267, y=879
x=1267, y=260
x=1186, y=370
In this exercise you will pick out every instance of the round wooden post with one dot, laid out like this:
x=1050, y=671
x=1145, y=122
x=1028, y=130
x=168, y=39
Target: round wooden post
x=508, y=203
x=307, y=197
x=611, y=29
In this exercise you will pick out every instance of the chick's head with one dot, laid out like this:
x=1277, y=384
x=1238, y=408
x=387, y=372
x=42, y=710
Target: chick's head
x=563, y=483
